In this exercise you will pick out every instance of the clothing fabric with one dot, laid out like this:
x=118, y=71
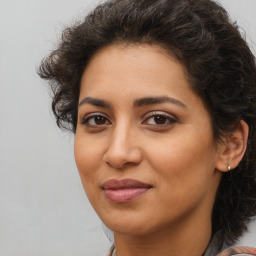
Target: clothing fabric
x=237, y=250
x=234, y=250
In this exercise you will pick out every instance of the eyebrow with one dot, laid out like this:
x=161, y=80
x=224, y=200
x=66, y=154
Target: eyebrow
x=137, y=103
x=95, y=102
x=158, y=100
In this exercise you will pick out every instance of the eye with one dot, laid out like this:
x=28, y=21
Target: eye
x=95, y=121
x=160, y=120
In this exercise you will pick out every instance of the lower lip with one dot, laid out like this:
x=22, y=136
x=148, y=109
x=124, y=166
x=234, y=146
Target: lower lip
x=124, y=195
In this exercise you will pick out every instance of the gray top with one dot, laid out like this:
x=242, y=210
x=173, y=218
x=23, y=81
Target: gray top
x=225, y=250
x=212, y=250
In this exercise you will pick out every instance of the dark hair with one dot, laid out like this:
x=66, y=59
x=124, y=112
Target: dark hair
x=219, y=64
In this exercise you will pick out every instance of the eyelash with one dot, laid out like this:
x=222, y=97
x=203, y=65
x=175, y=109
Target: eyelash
x=92, y=116
x=171, y=120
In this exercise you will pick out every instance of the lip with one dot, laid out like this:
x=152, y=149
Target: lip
x=121, y=191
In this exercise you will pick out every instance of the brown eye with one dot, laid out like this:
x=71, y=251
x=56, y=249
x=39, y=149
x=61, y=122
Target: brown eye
x=99, y=120
x=95, y=121
x=160, y=119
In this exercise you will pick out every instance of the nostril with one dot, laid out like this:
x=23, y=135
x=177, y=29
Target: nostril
x=115, y=161
x=121, y=159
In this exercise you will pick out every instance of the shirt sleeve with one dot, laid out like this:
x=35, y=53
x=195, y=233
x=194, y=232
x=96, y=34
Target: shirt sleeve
x=239, y=251
x=111, y=252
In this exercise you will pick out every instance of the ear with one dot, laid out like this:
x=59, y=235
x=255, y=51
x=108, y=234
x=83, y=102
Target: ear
x=231, y=150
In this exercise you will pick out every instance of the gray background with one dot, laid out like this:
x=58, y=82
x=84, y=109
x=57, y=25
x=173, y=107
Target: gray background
x=43, y=208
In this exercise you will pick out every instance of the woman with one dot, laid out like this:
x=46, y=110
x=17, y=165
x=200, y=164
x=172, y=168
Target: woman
x=161, y=97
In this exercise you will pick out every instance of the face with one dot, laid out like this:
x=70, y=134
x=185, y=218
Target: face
x=144, y=146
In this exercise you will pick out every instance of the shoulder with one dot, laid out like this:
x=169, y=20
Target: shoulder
x=111, y=251
x=246, y=245
x=249, y=237
x=239, y=250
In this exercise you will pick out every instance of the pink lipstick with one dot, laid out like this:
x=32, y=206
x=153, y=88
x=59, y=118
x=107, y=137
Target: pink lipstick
x=121, y=191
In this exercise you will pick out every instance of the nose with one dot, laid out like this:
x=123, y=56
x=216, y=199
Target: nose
x=123, y=149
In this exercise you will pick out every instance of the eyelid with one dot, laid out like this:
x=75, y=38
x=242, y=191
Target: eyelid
x=160, y=113
x=88, y=116
x=170, y=117
x=91, y=114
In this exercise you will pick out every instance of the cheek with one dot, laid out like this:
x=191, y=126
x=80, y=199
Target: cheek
x=185, y=161
x=185, y=178
x=87, y=158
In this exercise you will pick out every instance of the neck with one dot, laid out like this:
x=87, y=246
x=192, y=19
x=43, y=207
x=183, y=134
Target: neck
x=182, y=239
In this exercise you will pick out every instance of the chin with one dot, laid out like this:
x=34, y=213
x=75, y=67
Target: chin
x=128, y=226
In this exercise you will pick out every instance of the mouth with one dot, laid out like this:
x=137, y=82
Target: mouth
x=121, y=191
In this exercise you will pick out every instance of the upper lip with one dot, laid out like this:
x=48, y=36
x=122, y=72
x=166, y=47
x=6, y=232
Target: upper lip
x=115, y=184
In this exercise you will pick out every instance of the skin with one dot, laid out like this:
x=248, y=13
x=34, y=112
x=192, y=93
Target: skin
x=178, y=157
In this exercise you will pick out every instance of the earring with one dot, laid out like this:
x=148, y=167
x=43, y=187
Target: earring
x=229, y=168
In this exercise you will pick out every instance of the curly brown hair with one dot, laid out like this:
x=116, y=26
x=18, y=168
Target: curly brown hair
x=219, y=64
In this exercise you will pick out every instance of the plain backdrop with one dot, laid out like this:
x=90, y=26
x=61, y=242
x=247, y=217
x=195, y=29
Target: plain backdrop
x=43, y=208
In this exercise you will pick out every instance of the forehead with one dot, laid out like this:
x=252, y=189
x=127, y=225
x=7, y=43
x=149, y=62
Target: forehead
x=146, y=66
